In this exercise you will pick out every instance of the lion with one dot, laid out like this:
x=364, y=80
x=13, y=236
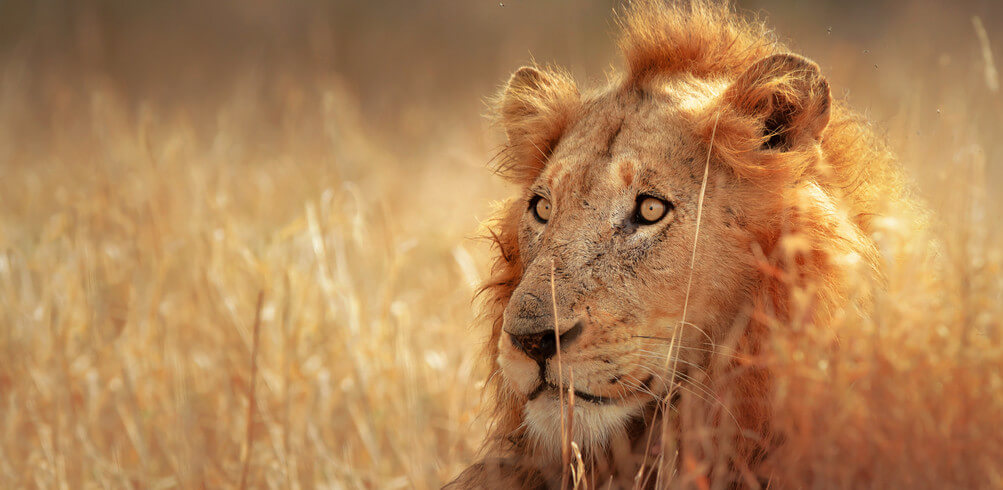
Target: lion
x=667, y=222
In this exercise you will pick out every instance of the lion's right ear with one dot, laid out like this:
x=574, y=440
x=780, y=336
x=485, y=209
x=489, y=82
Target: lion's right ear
x=771, y=121
x=535, y=109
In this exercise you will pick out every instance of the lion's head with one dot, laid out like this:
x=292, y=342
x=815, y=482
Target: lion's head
x=708, y=194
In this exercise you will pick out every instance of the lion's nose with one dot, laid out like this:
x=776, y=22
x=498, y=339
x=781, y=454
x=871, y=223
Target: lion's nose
x=542, y=345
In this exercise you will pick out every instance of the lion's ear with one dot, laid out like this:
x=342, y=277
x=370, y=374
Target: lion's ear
x=535, y=109
x=789, y=98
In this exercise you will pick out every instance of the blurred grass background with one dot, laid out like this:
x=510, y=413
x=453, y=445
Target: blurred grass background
x=163, y=163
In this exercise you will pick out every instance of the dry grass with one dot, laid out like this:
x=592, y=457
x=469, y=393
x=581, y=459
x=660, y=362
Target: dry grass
x=139, y=225
x=907, y=395
x=129, y=278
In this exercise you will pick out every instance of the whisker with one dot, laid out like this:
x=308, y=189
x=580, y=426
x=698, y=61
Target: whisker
x=691, y=381
x=638, y=386
x=646, y=354
x=706, y=393
x=688, y=347
x=703, y=332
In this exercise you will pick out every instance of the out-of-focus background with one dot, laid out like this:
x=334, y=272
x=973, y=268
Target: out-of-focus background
x=164, y=163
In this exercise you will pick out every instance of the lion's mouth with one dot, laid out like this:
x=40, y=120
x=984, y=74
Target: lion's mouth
x=548, y=387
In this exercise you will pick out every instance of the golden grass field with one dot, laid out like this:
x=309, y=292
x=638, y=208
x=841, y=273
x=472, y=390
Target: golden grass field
x=164, y=169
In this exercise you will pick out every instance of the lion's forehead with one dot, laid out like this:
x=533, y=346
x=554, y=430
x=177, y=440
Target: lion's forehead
x=622, y=140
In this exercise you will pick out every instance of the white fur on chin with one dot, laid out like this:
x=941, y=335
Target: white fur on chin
x=594, y=426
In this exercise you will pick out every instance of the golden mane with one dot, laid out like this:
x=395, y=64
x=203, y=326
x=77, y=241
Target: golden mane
x=822, y=206
x=700, y=38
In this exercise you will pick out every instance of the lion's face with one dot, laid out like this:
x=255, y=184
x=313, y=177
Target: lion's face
x=615, y=295
x=613, y=215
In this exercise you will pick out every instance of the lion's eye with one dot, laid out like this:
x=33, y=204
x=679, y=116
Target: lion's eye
x=651, y=209
x=541, y=208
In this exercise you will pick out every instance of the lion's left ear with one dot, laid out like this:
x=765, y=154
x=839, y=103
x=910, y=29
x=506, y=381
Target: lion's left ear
x=789, y=98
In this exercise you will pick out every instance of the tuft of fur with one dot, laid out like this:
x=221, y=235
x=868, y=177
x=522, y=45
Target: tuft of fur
x=696, y=37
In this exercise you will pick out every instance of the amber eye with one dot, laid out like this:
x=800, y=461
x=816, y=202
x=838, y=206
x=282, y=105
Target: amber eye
x=541, y=208
x=651, y=209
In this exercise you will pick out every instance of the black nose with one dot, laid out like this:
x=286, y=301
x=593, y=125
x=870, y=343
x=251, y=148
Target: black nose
x=542, y=345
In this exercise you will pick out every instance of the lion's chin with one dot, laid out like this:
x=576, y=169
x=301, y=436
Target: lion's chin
x=595, y=424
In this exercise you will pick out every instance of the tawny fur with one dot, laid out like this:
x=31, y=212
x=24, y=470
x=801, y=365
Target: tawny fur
x=795, y=180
